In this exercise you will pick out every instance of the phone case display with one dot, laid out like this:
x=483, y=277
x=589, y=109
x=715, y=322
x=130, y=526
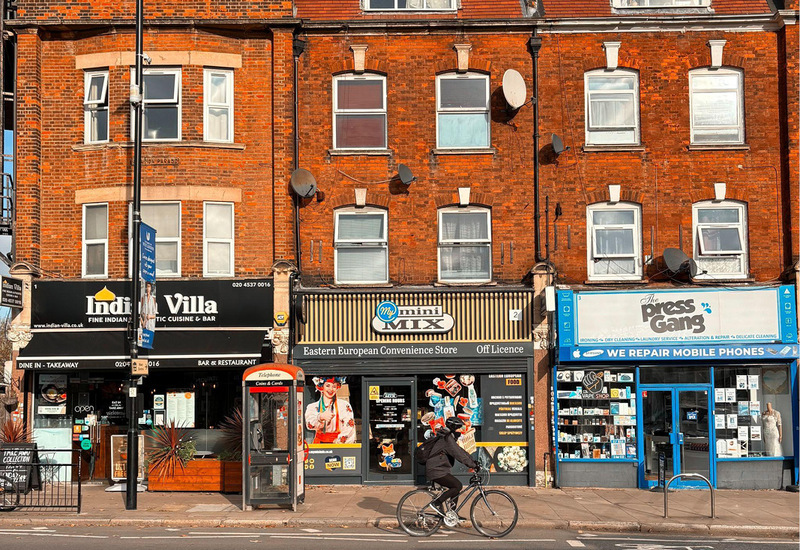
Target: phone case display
x=596, y=414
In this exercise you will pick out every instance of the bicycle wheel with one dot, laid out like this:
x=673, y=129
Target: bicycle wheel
x=9, y=497
x=412, y=516
x=494, y=514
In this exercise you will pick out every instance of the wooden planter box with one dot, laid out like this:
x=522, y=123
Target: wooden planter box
x=201, y=475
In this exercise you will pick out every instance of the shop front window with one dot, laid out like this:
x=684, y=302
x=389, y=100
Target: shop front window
x=492, y=407
x=596, y=414
x=753, y=412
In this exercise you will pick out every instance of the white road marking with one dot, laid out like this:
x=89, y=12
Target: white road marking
x=315, y=533
x=483, y=541
x=687, y=541
x=576, y=544
x=42, y=534
x=308, y=530
x=339, y=538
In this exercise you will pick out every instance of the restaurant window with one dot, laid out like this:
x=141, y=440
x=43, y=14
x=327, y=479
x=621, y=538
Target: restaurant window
x=465, y=245
x=95, y=240
x=615, y=241
x=720, y=239
x=492, y=407
x=753, y=411
x=596, y=413
x=462, y=111
x=218, y=239
x=359, y=111
x=361, y=249
x=95, y=106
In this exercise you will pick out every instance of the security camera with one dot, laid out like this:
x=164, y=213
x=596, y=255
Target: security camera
x=147, y=59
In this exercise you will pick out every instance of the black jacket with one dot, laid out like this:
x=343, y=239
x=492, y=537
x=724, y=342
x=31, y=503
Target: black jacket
x=443, y=456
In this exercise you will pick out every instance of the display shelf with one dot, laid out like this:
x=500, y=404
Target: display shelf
x=604, y=401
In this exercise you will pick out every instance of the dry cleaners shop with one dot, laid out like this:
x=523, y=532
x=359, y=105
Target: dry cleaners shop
x=697, y=381
x=207, y=332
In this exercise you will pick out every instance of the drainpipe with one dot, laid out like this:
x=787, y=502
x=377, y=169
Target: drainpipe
x=535, y=44
x=298, y=47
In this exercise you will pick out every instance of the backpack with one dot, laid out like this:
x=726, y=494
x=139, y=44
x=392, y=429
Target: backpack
x=424, y=450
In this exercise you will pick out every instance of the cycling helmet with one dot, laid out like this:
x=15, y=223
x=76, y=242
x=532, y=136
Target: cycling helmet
x=454, y=423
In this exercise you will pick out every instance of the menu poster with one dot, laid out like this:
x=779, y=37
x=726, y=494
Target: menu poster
x=52, y=397
x=504, y=408
x=180, y=408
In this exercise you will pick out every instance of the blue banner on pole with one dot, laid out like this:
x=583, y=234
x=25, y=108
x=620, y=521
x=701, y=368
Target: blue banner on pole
x=147, y=284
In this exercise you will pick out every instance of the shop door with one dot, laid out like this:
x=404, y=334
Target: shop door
x=391, y=411
x=676, y=429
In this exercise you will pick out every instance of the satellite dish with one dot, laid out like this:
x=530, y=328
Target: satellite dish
x=678, y=262
x=303, y=183
x=405, y=174
x=558, y=145
x=514, y=89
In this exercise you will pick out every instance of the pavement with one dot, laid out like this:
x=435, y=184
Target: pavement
x=761, y=514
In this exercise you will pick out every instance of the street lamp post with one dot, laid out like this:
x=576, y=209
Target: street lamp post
x=137, y=90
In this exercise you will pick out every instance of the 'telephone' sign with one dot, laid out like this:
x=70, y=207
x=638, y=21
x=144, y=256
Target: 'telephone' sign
x=393, y=319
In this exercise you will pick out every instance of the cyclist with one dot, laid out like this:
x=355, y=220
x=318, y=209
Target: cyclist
x=438, y=467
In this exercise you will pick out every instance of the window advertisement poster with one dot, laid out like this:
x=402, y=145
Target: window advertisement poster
x=148, y=308
x=180, y=408
x=119, y=457
x=332, y=420
x=52, y=395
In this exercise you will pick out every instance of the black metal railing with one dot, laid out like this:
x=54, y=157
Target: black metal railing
x=39, y=479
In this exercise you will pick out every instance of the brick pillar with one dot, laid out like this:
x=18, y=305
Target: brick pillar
x=27, y=231
x=542, y=384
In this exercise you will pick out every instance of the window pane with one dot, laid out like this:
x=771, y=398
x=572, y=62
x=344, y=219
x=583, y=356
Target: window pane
x=160, y=122
x=218, y=221
x=439, y=4
x=218, y=259
x=611, y=110
x=218, y=89
x=164, y=218
x=360, y=94
x=96, y=88
x=166, y=258
x=381, y=4
x=720, y=239
x=361, y=227
x=614, y=242
x=721, y=265
x=96, y=222
x=361, y=264
x=96, y=259
x=718, y=215
x=457, y=130
x=715, y=109
x=722, y=135
x=462, y=93
x=218, y=124
x=159, y=86
x=464, y=262
x=613, y=217
x=462, y=226
x=615, y=266
x=360, y=131
x=611, y=83
x=718, y=82
x=98, y=121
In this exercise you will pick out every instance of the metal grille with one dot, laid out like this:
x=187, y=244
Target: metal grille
x=50, y=481
x=479, y=316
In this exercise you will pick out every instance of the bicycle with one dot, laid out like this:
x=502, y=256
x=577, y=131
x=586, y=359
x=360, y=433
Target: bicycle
x=493, y=512
x=9, y=496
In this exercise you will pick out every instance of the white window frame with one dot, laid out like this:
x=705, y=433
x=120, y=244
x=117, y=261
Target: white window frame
x=593, y=131
x=470, y=110
x=91, y=106
x=87, y=242
x=657, y=4
x=175, y=99
x=705, y=72
x=159, y=237
x=422, y=5
x=208, y=240
x=337, y=111
x=381, y=243
x=591, y=244
x=697, y=229
x=468, y=242
x=208, y=104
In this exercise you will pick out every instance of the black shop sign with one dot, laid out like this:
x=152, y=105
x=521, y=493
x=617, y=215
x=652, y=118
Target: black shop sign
x=19, y=464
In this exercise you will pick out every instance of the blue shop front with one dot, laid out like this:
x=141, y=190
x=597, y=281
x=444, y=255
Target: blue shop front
x=651, y=383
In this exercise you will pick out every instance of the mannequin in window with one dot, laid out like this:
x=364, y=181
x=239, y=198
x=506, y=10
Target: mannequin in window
x=773, y=431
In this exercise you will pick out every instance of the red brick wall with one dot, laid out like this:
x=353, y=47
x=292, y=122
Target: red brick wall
x=126, y=9
x=503, y=180
x=666, y=175
x=53, y=163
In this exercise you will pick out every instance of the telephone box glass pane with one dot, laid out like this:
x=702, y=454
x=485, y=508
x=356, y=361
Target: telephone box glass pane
x=269, y=424
x=269, y=481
